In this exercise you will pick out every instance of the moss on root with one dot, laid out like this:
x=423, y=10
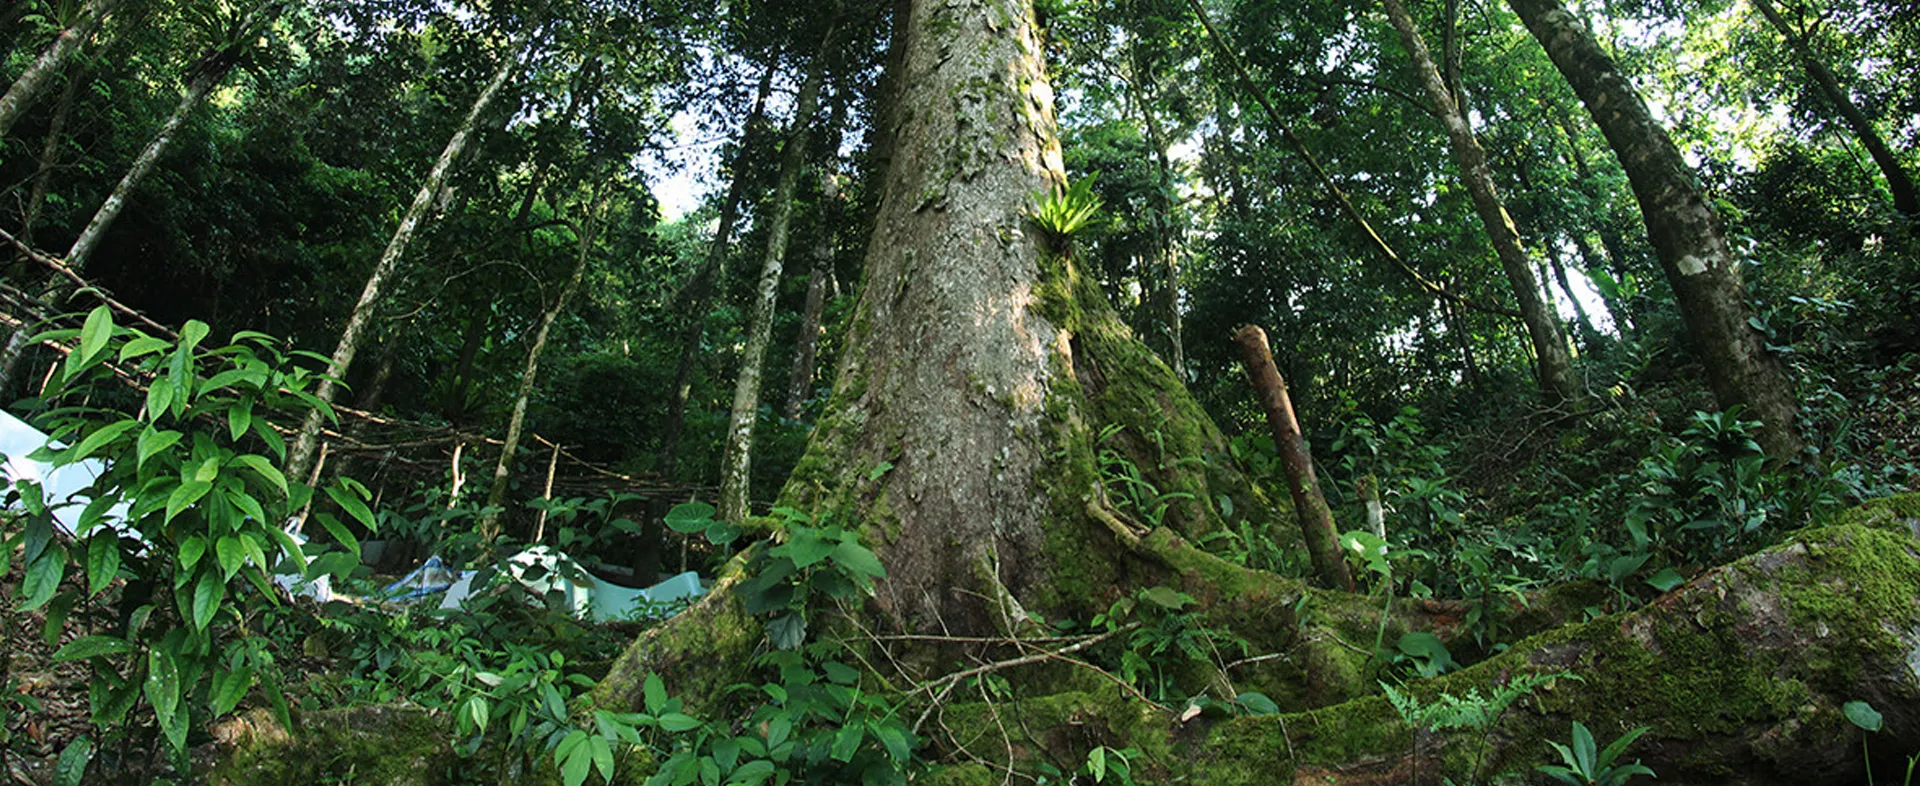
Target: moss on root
x=377, y=746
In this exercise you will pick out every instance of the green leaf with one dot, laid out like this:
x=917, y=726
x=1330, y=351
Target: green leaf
x=1166, y=598
x=847, y=742
x=1257, y=703
x=153, y=441
x=43, y=577
x=574, y=758
x=1097, y=763
x=1862, y=714
x=239, y=417
x=103, y=560
x=840, y=673
x=92, y=647
x=72, y=766
x=675, y=721
x=602, y=757
x=655, y=693
x=879, y=469
x=352, y=504
x=185, y=496
x=144, y=345
x=191, y=550
x=231, y=553
x=192, y=333
x=858, y=559
x=266, y=470
x=95, y=333
x=788, y=632
x=229, y=687
x=478, y=712
x=804, y=548
x=721, y=533
x=207, y=594
x=102, y=436
x=895, y=740
x=341, y=534
x=1666, y=580
x=159, y=397
x=690, y=517
x=163, y=691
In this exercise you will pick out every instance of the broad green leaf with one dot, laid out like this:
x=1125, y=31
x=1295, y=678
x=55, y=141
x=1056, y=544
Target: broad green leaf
x=239, y=418
x=690, y=517
x=207, y=594
x=229, y=687
x=266, y=470
x=340, y=533
x=1666, y=580
x=191, y=550
x=674, y=721
x=95, y=333
x=160, y=393
x=478, y=712
x=1862, y=714
x=655, y=693
x=143, y=345
x=1257, y=703
x=163, y=687
x=1167, y=598
x=352, y=504
x=72, y=766
x=895, y=741
x=858, y=560
x=153, y=441
x=721, y=533
x=847, y=742
x=103, y=560
x=602, y=757
x=788, y=632
x=183, y=497
x=805, y=548
x=1097, y=763
x=92, y=647
x=43, y=577
x=193, y=332
x=104, y=435
x=231, y=554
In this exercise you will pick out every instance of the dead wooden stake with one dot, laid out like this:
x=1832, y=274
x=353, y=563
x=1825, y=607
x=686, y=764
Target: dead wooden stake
x=540, y=524
x=1316, y=520
x=313, y=481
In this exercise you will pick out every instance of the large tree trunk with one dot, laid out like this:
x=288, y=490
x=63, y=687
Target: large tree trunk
x=1558, y=383
x=299, y=458
x=43, y=68
x=1685, y=230
x=975, y=376
x=736, y=461
x=89, y=239
x=1905, y=198
x=706, y=280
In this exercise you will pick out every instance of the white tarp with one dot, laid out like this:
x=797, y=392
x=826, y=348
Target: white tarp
x=59, y=486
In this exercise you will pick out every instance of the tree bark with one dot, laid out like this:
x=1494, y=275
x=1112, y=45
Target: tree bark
x=706, y=280
x=89, y=239
x=1905, y=198
x=503, y=468
x=300, y=456
x=1309, y=505
x=1685, y=231
x=736, y=461
x=50, y=155
x=43, y=68
x=806, y=343
x=1558, y=383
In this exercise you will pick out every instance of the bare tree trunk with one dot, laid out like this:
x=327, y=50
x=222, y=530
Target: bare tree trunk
x=1683, y=226
x=1309, y=505
x=737, y=460
x=706, y=280
x=51, y=60
x=1558, y=269
x=301, y=454
x=1905, y=198
x=503, y=469
x=1558, y=382
x=50, y=155
x=89, y=240
x=806, y=344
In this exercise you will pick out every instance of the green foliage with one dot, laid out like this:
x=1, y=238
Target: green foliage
x=1583, y=766
x=199, y=508
x=1471, y=711
x=1062, y=213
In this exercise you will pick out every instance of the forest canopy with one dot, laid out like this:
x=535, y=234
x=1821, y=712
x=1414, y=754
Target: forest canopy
x=1035, y=391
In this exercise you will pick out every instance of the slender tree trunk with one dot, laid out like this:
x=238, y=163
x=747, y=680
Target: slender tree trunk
x=1683, y=226
x=1591, y=259
x=1905, y=198
x=1558, y=382
x=1164, y=299
x=503, y=469
x=1309, y=505
x=50, y=61
x=1558, y=268
x=1605, y=221
x=83, y=247
x=50, y=155
x=737, y=460
x=301, y=454
x=707, y=280
x=806, y=344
